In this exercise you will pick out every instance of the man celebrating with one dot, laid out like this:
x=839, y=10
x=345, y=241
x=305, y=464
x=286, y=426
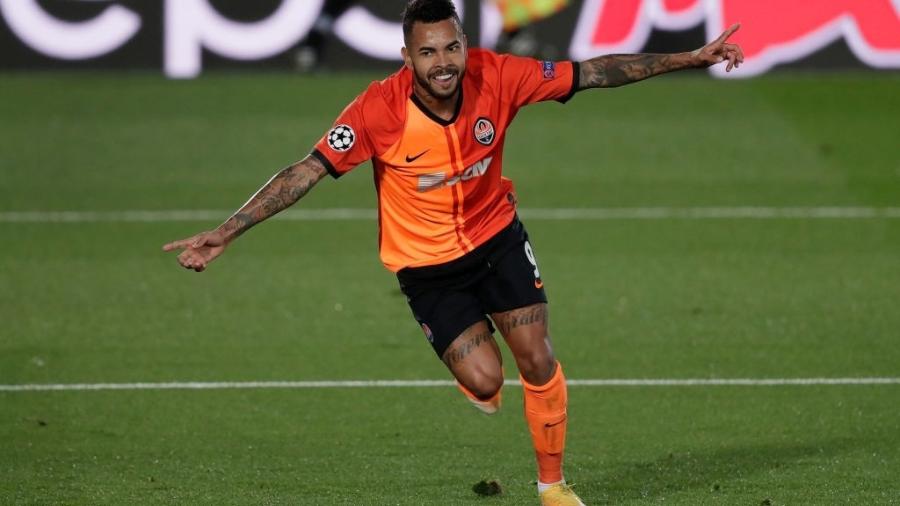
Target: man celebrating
x=434, y=132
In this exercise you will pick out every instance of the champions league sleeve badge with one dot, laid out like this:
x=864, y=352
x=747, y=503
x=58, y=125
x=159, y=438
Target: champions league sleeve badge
x=549, y=69
x=341, y=138
x=484, y=131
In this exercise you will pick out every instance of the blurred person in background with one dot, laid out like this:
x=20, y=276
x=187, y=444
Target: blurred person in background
x=448, y=227
x=518, y=35
x=312, y=48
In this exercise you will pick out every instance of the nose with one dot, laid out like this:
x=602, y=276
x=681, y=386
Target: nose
x=441, y=59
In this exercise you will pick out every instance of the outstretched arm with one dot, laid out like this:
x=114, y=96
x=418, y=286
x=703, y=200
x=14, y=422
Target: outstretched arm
x=613, y=70
x=284, y=189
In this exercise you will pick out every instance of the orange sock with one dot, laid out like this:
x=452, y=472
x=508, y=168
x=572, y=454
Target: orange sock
x=489, y=406
x=545, y=412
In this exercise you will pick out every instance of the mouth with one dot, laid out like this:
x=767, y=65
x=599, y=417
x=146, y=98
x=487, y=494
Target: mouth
x=444, y=79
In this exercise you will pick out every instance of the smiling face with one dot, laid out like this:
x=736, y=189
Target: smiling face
x=436, y=54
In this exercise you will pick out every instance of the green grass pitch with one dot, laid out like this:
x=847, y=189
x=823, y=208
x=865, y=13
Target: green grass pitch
x=98, y=302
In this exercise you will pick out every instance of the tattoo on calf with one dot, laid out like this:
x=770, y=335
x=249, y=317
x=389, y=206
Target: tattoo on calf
x=457, y=354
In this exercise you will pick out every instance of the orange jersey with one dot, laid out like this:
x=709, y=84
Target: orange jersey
x=440, y=190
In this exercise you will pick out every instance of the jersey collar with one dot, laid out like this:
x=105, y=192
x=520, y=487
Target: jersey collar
x=434, y=117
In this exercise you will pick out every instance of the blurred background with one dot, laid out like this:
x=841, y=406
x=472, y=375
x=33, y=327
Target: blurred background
x=688, y=227
x=182, y=38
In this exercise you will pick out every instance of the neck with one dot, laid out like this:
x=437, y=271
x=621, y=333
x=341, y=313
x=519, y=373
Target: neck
x=443, y=108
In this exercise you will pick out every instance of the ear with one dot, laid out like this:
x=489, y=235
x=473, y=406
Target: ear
x=406, y=59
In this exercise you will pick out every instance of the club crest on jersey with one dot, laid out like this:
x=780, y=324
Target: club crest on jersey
x=341, y=138
x=484, y=131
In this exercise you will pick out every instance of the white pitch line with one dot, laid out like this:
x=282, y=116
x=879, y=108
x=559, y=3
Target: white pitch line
x=231, y=385
x=343, y=214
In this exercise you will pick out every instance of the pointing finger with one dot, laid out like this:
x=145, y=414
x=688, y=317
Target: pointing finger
x=727, y=33
x=183, y=243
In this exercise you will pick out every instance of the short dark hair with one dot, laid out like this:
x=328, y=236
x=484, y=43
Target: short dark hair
x=427, y=11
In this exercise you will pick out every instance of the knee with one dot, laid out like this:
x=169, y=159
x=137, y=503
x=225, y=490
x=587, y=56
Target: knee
x=537, y=365
x=484, y=385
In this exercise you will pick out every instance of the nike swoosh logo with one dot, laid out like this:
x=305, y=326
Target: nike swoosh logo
x=411, y=159
x=548, y=425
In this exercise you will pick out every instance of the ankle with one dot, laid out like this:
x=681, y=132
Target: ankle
x=544, y=486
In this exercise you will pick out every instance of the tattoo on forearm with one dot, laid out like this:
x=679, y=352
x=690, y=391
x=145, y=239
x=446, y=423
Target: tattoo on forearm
x=613, y=70
x=527, y=316
x=282, y=191
x=457, y=354
x=243, y=220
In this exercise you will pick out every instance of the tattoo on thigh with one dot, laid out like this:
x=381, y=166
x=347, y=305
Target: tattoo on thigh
x=527, y=316
x=457, y=354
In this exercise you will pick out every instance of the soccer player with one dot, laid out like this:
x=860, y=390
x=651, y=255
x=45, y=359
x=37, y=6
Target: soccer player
x=434, y=131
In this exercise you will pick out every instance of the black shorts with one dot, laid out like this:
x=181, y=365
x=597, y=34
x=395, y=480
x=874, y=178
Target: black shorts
x=497, y=276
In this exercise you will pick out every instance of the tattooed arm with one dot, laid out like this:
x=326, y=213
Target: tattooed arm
x=284, y=189
x=614, y=70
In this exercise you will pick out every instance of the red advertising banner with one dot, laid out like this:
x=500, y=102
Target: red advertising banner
x=772, y=32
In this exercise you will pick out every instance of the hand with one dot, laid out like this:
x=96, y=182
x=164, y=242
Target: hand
x=719, y=50
x=199, y=250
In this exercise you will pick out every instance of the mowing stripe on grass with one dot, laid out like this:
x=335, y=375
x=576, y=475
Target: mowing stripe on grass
x=230, y=385
x=600, y=213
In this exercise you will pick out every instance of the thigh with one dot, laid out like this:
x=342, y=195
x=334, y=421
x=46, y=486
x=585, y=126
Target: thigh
x=446, y=315
x=444, y=299
x=474, y=358
x=526, y=331
x=461, y=335
x=513, y=293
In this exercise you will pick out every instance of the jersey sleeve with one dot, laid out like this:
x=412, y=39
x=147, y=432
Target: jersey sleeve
x=348, y=143
x=529, y=81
